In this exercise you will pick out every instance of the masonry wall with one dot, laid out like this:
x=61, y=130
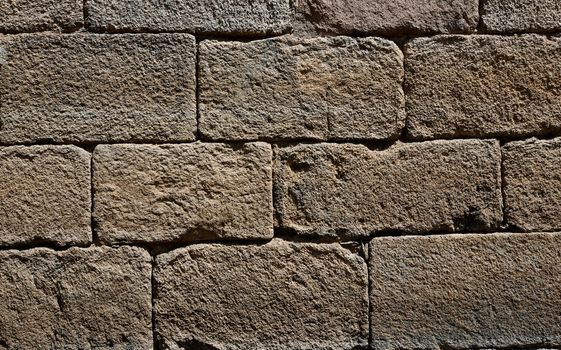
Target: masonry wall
x=280, y=174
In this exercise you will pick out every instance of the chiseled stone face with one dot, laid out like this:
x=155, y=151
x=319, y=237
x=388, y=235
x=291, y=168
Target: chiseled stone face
x=532, y=178
x=521, y=15
x=256, y=17
x=197, y=191
x=275, y=296
x=351, y=190
x=391, y=17
x=97, y=88
x=44, y=195
x=94, y=298
x=296, y=88
x=39, y=15
x=465, y=291
x=483, y=86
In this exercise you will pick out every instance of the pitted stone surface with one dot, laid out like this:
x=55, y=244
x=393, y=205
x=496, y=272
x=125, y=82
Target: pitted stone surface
x=391, y=17
x=165, y=193
x=466, y=291
x=94, y=298
x=296, y=88
x=276, y=296
x=532, y=178
x=97, y=88
x=350, y=190
x=521, y=15
x=44, y=195
x=39, y=15
x=236, y=17
x=483, y=86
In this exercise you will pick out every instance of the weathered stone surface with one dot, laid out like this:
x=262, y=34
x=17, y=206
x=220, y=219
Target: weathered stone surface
x=481, y=86
x=391, y=17
x=163, y=193
x=532, y=178
x=295, y=88
x=240, y=17
x=350, y=190
x=98, y=88
x=44, y=195
x=521, y=15
x=466, y=292
x=276, y=296
x=37, y=15
x=95, y=298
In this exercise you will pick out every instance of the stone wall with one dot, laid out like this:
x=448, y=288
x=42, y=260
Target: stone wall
x=280, y=174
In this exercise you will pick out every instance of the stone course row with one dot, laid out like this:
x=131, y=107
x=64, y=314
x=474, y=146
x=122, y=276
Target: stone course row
x=455, y=291
x=207, y=191
x=269, y=17
x=99, y=88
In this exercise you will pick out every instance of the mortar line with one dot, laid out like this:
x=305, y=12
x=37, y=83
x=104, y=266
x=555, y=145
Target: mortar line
x=198, y=88
x=153, y=302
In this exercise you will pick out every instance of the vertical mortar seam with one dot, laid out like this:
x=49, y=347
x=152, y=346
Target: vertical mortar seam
x=197, y=88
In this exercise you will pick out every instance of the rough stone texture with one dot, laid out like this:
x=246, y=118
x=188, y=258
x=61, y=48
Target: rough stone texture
x=466, y=292
x=350, y=190
x=276, y=296
x=164, y=193
x=237, y=17
x=532, y=178
x=98, y=88
x=481, y=86
x=391, y=17
x=38, y=15
x=95, y=298
x=521, y=15
x=296, y=88
x=44, y=195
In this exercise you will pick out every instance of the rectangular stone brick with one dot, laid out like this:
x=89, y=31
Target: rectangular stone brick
x=521, y=15
x=391, y=17
x=294, y=88
x=532, y=184
x=349, y=190
x=97, y=88
x=45, y=195
x=237, y=17
x=165, y=193
x=39, y=15
x=466, y=292
x=483, y=86
x=276, y=296
x=95, y=298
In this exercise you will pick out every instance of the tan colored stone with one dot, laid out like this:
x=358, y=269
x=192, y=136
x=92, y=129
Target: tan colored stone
x=295, y=88
x=391, y=17
x=38, y=15
x=276, y=296
x=521, y=15
x=532, y=178
x=466, y=292
x=348, y=190
x=237, y=17
x=165, y=193
x=483, y=86
x=97, y=88
x=45, y=195
x=95, y=298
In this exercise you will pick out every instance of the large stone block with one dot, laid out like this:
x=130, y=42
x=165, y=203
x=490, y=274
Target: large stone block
x=483, y=86
x=234, y=17
x=521, y=15
x=532, y=178
x=466, y=292
x=164, y=193
x=45, y=195
x=38, y=15
x=295, y=88
x=351, y=190
x=275, y=296
x=97, y=88
x=95, y=298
